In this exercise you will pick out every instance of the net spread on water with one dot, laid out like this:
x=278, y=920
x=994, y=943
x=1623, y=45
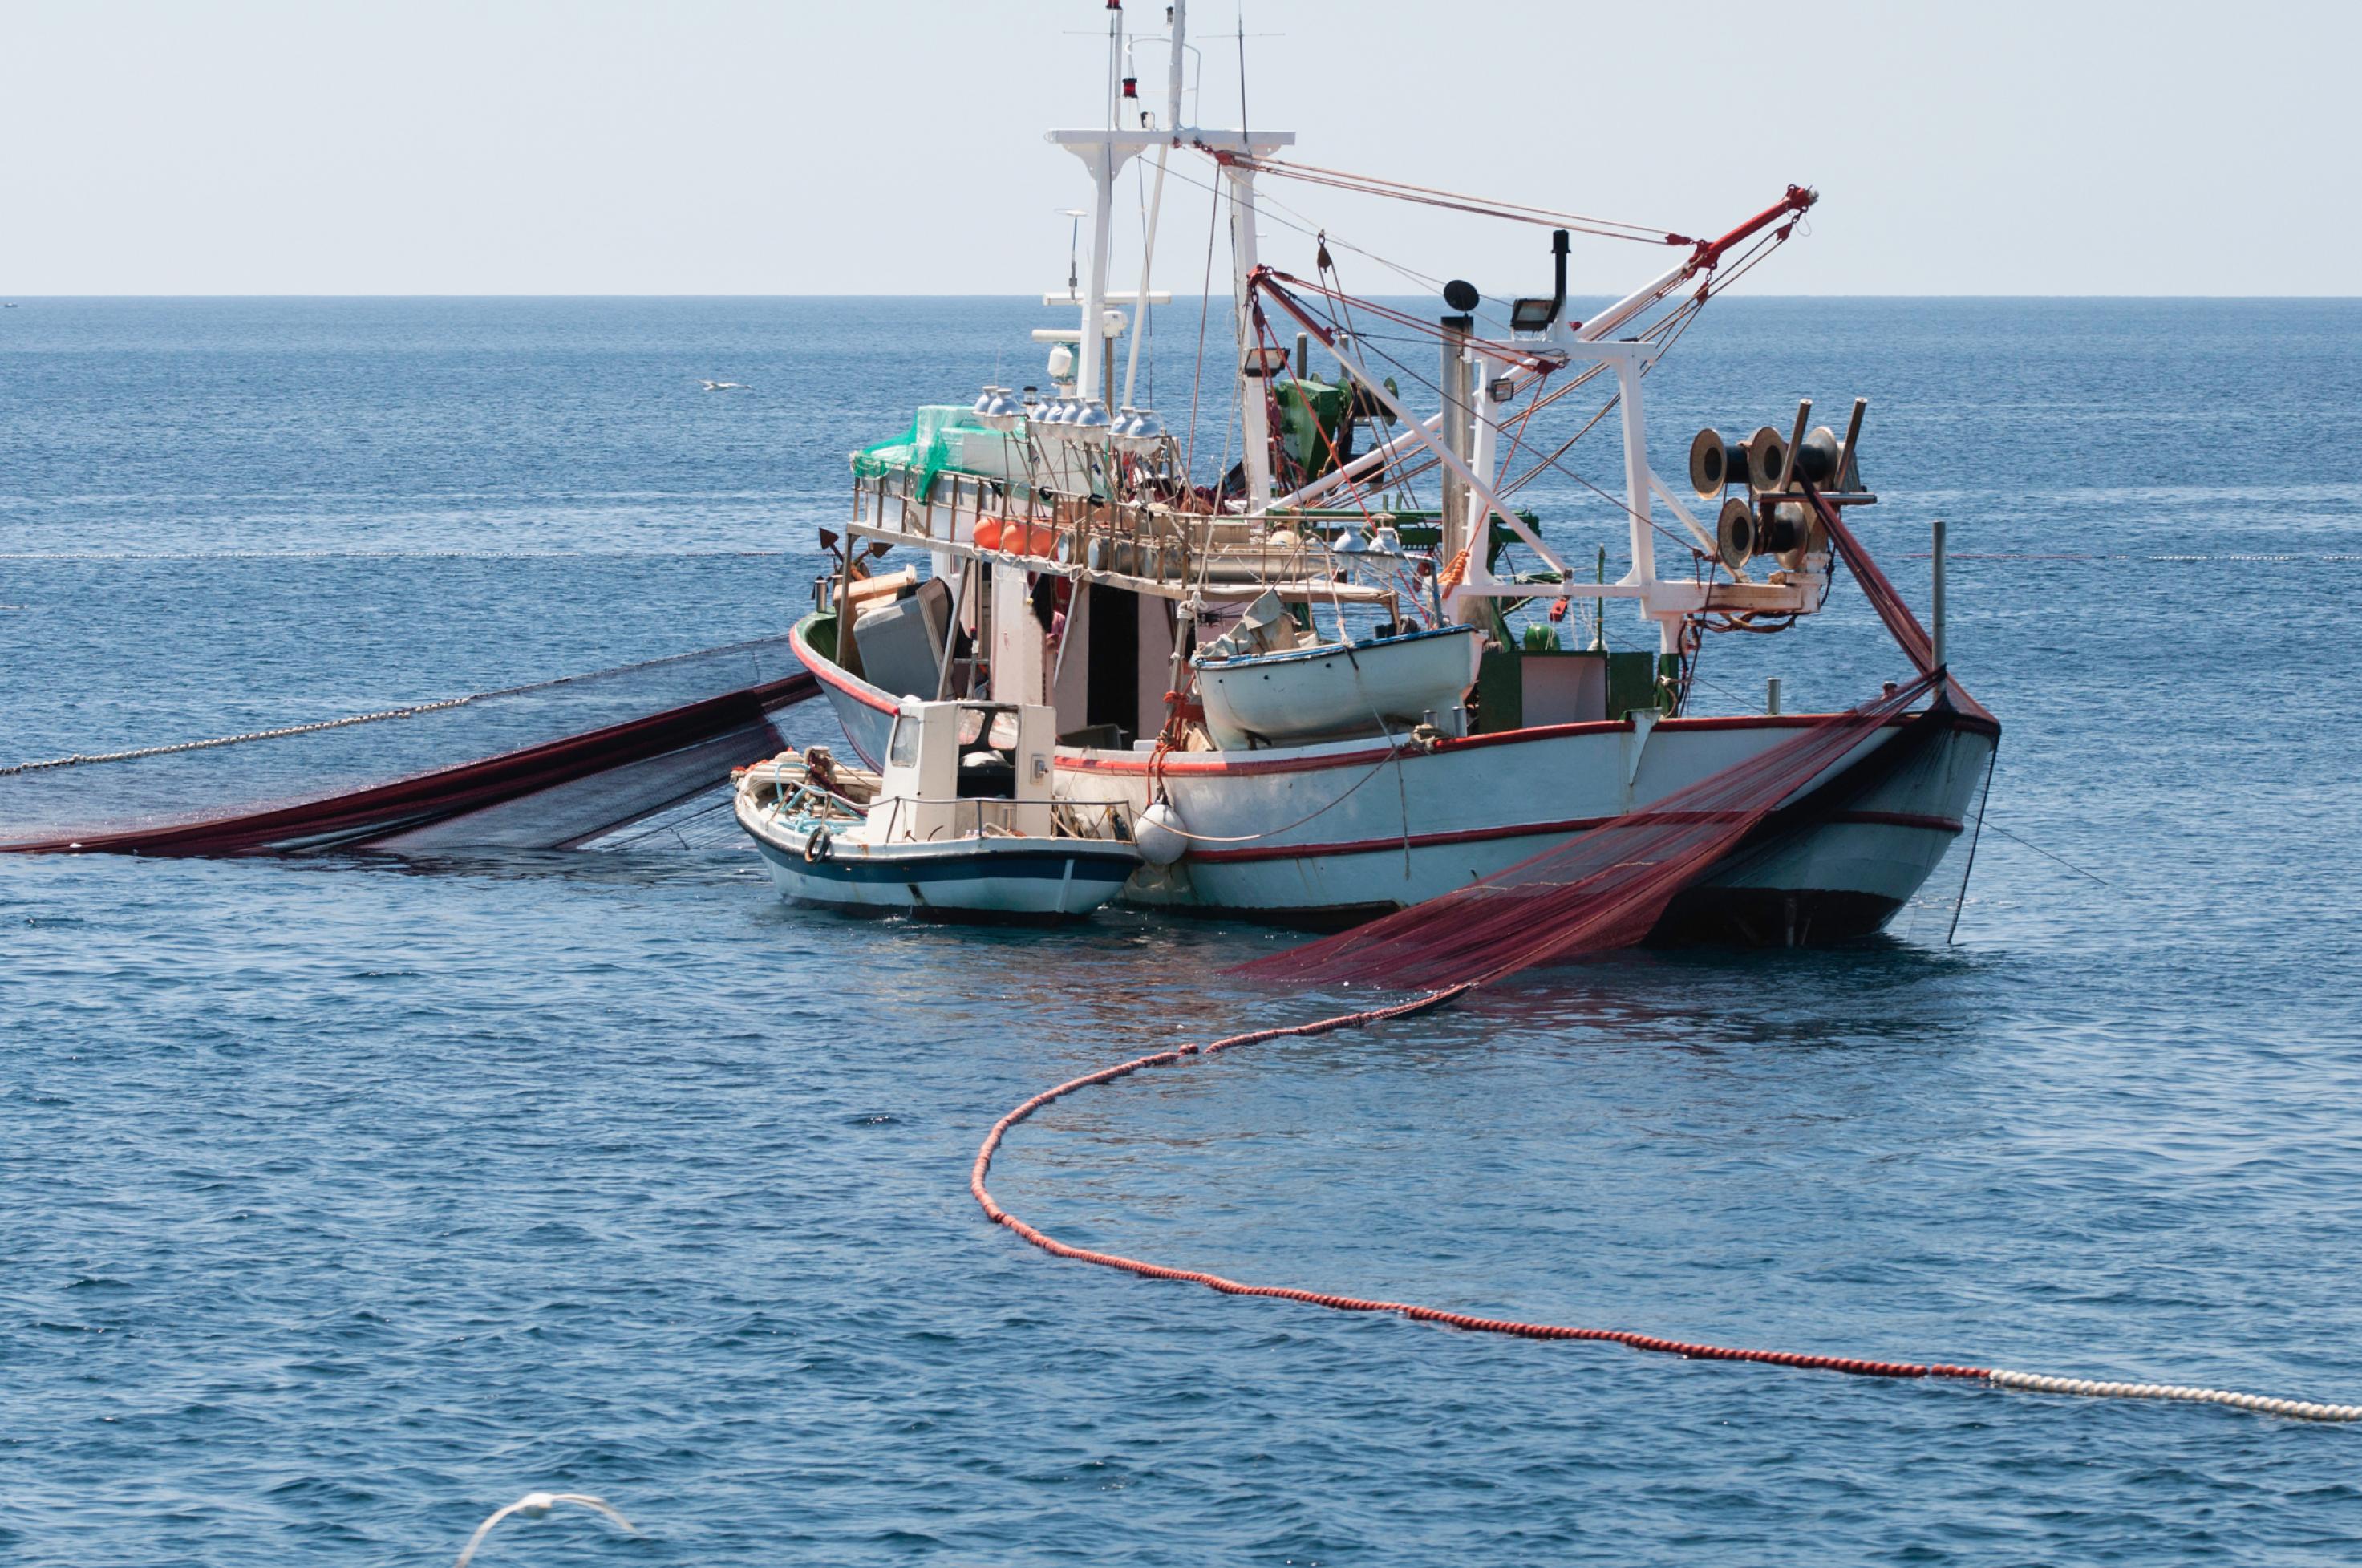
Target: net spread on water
x=540, y=766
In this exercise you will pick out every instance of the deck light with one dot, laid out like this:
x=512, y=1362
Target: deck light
x=1138, y=429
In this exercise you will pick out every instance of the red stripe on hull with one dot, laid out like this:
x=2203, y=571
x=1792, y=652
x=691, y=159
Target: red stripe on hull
x=1520, y=830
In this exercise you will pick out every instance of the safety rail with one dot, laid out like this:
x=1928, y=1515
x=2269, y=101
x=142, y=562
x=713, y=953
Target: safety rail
x=995, y=816
x=956, y=502
x=1145, y=547
x=1095, y=819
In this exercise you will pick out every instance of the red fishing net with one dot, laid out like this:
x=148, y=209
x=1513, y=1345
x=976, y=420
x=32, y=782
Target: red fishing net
x=1908, y=634
x=543, y=766
x=1608, y=887
x=1603, y=889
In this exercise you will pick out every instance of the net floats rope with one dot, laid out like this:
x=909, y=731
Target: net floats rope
x=1996, y=1377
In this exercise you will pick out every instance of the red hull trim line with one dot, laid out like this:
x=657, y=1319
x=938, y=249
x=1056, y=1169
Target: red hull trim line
x=1902, y=820
x=1396, y=843
x=352, y=820
x=827, y=671
x=1175, y=764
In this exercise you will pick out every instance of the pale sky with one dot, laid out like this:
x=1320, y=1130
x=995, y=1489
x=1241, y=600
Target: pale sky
x=823, y=147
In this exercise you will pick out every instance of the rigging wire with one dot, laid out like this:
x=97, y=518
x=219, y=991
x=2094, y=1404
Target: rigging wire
x=1288, y=216
x=2060, y=858
x=1621, y=503
x=1674, y=321
x=1984, y=798
x=1205, y=312
x=1519, y=212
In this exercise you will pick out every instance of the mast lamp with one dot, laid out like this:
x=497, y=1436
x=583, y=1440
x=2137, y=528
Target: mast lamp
x=1532, y=316
x=1536, y=315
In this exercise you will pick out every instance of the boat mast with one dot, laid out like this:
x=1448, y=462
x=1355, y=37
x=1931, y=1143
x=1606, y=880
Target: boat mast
x=1254, y=409
x=1104, y=152
x=1093, y=350
x=1178, y=13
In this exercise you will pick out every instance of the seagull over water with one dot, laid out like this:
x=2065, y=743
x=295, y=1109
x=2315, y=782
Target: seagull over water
x=533, y=1505
x=723, y=386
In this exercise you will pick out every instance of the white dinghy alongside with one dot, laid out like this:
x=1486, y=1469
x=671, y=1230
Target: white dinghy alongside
x=960, y=823
x=1269, y=683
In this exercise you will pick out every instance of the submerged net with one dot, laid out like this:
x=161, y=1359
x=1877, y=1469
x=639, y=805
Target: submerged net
x=1603, y=889
x=541, y=767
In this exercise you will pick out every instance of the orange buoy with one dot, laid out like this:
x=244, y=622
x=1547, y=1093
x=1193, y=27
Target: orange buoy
x=1041, y=539
x=987, y=533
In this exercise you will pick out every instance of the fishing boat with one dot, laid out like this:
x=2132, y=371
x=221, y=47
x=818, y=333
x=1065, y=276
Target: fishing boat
x=960, y=823
x=1337, y=679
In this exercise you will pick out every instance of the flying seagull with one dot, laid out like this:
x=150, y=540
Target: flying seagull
x=533, y=1505
x=723, y=386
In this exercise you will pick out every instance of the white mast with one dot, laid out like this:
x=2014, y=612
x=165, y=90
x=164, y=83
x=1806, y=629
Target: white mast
x=1104, y=153
x=1254, y=412
x=1180, y=14
x=1103, y=161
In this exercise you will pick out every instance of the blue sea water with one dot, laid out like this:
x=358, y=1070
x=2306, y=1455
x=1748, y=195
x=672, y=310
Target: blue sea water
x=342, y=1200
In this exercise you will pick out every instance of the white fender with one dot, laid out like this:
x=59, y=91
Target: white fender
x=1153, y=833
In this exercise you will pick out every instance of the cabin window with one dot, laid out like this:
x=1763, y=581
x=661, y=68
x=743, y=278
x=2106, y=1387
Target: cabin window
x=1001, y=732
x=902, y=751
x=987, y=754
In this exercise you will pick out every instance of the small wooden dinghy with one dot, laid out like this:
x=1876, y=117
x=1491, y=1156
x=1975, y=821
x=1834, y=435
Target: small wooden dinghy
x=1268, y=684
x=960, y=825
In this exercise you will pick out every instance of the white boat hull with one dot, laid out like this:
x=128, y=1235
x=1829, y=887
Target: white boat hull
x=1005, y=878
x=1334, y=832
x=1395, y=830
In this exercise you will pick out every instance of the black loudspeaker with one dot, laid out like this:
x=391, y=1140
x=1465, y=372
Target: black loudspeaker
x=1716, y=464
x=1767, y=458
x=1734, y=532
x=1816, y=456
x=1791, y=531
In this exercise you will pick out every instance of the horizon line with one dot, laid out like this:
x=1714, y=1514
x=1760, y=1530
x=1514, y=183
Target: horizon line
x=1177, y=300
